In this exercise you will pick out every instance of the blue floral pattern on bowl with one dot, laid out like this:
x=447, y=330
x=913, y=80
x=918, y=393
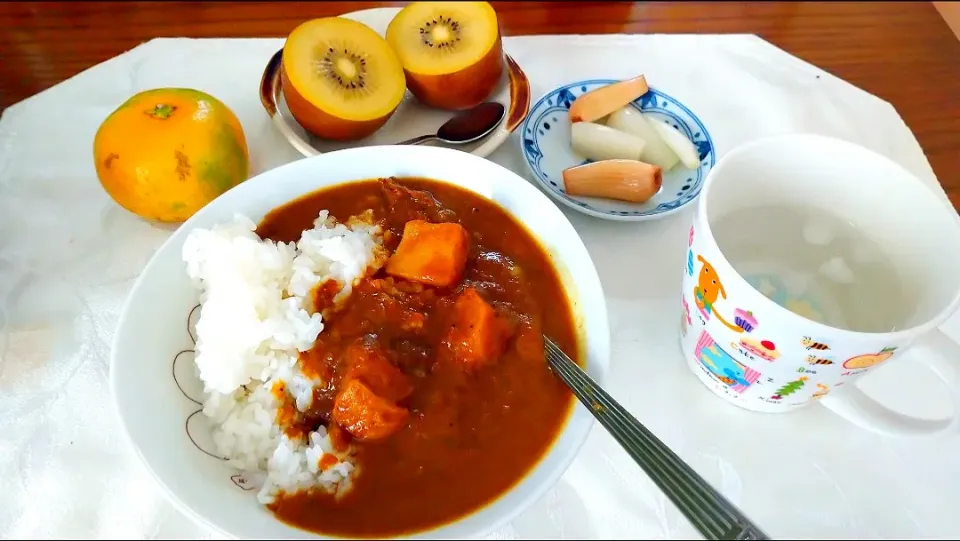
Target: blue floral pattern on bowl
x=545, y=138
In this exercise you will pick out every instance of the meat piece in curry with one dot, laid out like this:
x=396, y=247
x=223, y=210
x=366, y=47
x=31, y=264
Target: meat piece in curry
x=434, y=364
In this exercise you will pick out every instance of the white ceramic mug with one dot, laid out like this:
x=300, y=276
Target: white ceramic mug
x=760, y=356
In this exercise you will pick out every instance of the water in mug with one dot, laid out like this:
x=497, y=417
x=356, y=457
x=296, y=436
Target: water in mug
x=814, y=264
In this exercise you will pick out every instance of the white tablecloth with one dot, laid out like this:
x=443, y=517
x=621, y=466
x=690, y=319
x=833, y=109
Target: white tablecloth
x=68, y=256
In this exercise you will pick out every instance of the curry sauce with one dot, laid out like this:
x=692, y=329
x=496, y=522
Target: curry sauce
x=467, y=436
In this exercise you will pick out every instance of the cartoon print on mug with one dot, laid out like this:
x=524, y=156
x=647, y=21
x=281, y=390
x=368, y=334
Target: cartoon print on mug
x=754, y=349
x=745, y=319
x=722, y=367
x=817, y=360
x=805, y=370
x=685, y=319
x=861, y=362
x=822, y=391
x=789, y=388
x=813, y=345
x=707, y=291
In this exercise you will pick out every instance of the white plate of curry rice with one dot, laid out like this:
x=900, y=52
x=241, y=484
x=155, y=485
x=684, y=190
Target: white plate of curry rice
x=350, y=346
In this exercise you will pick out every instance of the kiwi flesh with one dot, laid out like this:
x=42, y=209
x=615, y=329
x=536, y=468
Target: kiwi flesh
x=451, y=51
x=340, y=68
x=345, y=70
x=442, y=33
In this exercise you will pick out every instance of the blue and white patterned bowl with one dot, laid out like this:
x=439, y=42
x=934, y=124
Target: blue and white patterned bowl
x=545, y=138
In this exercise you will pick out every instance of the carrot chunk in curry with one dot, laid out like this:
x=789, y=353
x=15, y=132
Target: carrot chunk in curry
x=432, y=254
x=369, y=364
x=366, y=416
x=477, y=335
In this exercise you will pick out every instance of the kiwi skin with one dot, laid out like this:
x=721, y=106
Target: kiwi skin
x=463, y=89
x=322, y=124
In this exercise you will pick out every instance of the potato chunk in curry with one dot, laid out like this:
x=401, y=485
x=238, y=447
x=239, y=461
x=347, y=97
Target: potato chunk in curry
x=365, y=415
x=477, y=335
x=432, y=254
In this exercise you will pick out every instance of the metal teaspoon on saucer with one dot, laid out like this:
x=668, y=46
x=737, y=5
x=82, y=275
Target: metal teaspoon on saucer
x=466, y=126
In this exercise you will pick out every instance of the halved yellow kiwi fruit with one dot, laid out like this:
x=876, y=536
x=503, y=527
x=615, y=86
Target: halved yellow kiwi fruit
x=340, y=79
x=450, y=51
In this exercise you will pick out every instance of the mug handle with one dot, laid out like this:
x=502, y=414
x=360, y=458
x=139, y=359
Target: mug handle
x=939, y=353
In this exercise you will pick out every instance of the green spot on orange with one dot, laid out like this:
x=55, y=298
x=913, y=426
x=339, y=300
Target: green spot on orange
x=162, y=111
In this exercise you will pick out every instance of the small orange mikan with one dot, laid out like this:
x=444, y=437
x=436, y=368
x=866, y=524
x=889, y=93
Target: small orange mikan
x=167, y=152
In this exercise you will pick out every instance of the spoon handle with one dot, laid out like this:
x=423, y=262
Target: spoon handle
x=706, y=509
x=417, y=140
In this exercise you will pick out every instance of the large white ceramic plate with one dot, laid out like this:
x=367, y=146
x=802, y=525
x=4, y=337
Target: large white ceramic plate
x=546, y=150
x=411, y=118
x=158, y=407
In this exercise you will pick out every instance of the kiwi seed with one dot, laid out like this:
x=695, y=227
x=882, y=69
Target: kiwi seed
x=329, y=66
x=449, y=27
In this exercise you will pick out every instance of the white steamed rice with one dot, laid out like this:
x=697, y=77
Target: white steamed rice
x=255, y=317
